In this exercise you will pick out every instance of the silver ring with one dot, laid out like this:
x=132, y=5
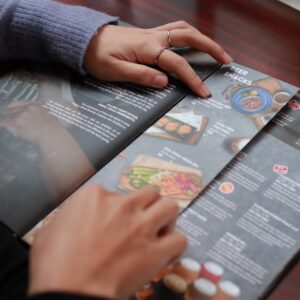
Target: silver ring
x=160, y=52
x=169, y=39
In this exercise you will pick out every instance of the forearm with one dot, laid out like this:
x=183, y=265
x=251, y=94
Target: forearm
x=45, y=30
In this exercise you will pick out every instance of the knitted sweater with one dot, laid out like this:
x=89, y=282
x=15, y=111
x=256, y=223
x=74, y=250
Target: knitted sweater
x=44, y=30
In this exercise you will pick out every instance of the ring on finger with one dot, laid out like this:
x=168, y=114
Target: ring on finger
x=160, y=52
x=169, y=39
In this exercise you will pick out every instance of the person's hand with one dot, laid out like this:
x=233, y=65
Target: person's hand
x=123, y=54
x=29, y=121
x=105, y=244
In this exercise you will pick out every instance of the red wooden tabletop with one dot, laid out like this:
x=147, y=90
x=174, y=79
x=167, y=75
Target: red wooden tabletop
x=264, y=35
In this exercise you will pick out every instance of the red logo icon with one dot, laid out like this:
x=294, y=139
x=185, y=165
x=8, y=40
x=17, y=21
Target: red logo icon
x=279, y=169
x=226, y=188
x=294, y=104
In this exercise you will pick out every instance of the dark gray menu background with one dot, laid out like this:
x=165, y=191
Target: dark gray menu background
x=213, y=151
x=74, y=102
x=254, y=231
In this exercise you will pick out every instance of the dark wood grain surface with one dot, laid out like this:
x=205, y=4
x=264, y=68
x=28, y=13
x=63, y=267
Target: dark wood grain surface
x=264, y=35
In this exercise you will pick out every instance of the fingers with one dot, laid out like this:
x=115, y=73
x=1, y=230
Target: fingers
x=139, y=74
x=193, y=38
x=145, y=197
x=174, y=25
x=162, y=216
x=171, y=248
x=174, y=63
x=184, y=35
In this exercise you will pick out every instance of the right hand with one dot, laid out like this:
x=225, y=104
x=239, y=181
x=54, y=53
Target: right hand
x=105, y=244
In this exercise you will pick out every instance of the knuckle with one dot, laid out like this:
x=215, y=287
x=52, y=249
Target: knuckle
x=183, y=23
x=152, y=191
x=126, y=205
x=141, y=229
x=143, y=74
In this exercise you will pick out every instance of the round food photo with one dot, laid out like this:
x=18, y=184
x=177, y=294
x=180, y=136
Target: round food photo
x=251, y=100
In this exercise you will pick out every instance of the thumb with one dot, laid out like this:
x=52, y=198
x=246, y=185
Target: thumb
x=139, y=74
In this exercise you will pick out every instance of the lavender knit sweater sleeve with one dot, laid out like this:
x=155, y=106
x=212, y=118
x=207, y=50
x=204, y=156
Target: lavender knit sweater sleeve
x=44, y=30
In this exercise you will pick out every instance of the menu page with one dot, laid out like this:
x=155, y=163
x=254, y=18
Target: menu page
x=184, y=150
x=244, y=229
x=58, y=128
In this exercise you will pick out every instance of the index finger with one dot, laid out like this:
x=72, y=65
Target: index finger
x=144, y=197
x=197, y=40
x=176, y=64
x=170, y=247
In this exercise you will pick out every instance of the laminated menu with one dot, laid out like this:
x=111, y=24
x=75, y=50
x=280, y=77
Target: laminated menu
x=244, y=229
x=210, y=156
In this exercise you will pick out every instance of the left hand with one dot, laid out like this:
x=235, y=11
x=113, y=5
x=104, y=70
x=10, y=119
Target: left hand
x=123, y=54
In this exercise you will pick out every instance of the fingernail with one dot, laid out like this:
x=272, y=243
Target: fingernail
x=207, y=97
x=160, y=81
x=204, y=91
x=228, y=59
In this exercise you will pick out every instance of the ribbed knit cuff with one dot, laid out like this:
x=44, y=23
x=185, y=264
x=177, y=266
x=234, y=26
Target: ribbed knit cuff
x=51, y=31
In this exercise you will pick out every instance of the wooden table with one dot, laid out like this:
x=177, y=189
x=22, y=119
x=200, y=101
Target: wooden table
x=264, y=35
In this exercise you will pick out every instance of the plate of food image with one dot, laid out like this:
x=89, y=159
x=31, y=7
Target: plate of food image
x=251, y=100
x=175, y=127
x=171, y=180
x=170, y=183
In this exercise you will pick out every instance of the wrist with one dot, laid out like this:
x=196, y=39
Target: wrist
x=92, y=52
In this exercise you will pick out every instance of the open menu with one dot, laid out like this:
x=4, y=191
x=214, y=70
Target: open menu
x=244, y=229
x=60, y=131
x=57, y=129
x=183, y=151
